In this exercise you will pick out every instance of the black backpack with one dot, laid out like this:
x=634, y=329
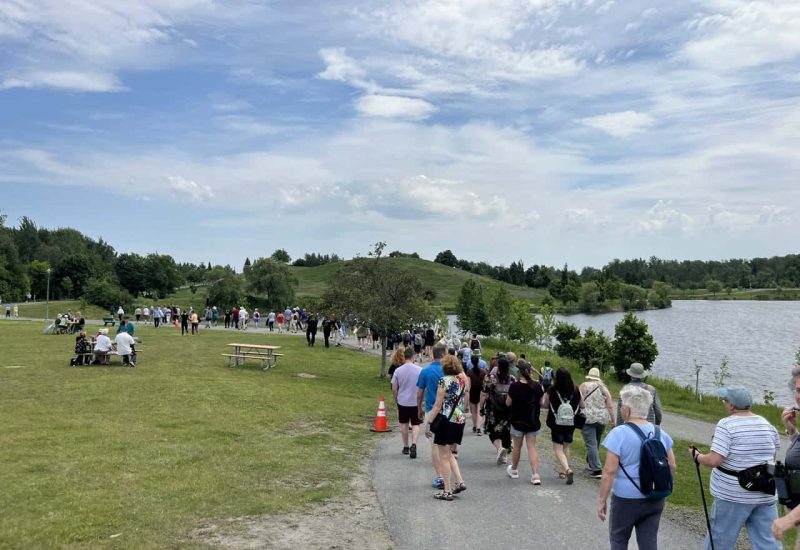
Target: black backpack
x=655, y=476
x=499, y=394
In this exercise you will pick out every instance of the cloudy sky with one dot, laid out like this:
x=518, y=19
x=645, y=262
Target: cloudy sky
x=546, y=130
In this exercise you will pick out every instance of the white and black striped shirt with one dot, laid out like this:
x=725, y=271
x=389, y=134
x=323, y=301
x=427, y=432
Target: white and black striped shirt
x=744, y=441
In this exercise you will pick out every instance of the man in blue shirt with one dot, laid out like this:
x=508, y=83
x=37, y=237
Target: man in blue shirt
x=427, y=386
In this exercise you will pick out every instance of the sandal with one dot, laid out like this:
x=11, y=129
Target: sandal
x=460, y=488
x=443, y=496
x=562, y=475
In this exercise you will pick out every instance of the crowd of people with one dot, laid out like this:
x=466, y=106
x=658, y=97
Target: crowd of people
x=68, y=323
x=503, y=399
x=98, y=349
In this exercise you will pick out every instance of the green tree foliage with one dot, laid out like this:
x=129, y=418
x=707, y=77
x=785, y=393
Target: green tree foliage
x=272, y=281
x=545, y=324
x=521, y=322
x=713, y=286
x=106, y=294
x=659, y=296
x=591, y=300
x=499, y=300
x=280, y=255
x=161, y=275
x=479, y=315
x=37, y=272
x=633, y=298
x=226, y=291
x=570, y=292
x=78, y=268
x=131, y=272
x=593, y=349
x=314, y=260
x=632, y=344
x=464, y=305
x=447, y=258
x=565, y=334
x=375, y=291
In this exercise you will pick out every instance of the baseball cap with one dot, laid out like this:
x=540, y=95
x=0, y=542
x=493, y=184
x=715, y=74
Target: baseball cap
x=738, y=396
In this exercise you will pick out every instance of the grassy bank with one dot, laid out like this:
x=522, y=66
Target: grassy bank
x=146, y=454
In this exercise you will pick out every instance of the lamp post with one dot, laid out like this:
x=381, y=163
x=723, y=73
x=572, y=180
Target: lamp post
x=47, y=300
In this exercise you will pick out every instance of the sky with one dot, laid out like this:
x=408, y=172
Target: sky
x=549, y=131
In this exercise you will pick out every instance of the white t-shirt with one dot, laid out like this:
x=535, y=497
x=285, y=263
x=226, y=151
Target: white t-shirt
x=405, y=377
x=744, y=441
x=124, y=342
x=120, y=311
x=102, y=343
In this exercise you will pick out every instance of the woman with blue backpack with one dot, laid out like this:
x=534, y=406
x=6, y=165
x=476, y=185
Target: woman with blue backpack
x=638, y=473
x=564, y=403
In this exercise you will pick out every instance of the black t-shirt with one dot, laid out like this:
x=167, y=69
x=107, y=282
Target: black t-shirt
x=525, y=406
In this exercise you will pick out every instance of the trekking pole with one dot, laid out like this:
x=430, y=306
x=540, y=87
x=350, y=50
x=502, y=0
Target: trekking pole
x=703, y=496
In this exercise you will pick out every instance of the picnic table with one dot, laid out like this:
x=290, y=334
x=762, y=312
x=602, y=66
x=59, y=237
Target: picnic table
x=267, y=355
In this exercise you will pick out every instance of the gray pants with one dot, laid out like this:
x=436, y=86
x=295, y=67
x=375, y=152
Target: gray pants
x=591, y=436
x=627, y=513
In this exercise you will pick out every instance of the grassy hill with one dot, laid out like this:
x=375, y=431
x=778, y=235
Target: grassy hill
x=445, y=281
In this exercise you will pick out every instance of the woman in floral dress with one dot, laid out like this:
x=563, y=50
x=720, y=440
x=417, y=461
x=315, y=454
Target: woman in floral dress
x=453, y=389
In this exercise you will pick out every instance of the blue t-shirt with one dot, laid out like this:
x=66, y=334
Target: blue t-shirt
x=429, y=381
x=627, y=445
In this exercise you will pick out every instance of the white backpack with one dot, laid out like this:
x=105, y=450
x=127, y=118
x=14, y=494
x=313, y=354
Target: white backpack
x=565, y=415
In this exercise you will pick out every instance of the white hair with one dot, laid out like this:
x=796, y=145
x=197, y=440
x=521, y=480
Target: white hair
x=637, y=399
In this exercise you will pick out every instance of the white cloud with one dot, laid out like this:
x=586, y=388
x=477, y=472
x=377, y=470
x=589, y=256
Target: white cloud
x=340, y=66
x=394, y=107
x=188, y=188
x=663, y=218
x=64, y=80
x=622, y=125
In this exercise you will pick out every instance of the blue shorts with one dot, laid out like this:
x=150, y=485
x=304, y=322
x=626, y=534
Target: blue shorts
x=517, y=433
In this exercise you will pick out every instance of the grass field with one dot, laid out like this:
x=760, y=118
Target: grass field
x=143, y=455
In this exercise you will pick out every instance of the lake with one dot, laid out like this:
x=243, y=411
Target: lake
x=759, y=338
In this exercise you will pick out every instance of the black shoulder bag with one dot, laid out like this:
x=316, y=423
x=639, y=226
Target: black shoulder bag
x=439, y=423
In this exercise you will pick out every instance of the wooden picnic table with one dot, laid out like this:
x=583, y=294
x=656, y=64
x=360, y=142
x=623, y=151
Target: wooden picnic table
x=260, y=352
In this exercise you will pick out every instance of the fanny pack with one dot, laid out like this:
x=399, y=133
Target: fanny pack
x=758, y=479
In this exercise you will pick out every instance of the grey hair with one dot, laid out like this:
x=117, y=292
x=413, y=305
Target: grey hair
x=795, y=376
x=637, y=399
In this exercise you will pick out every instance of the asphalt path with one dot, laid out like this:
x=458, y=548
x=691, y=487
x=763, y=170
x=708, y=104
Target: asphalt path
x=495, y=511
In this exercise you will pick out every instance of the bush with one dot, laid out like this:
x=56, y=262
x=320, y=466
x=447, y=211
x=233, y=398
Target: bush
x=104, y=293
x=632, y=344
x=593, y=349
x=565, y=334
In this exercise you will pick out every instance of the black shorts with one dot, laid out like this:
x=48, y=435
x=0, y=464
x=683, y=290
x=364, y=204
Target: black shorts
x=406, y=415
x=451, y=436
x=417, y=348
x=561, y=435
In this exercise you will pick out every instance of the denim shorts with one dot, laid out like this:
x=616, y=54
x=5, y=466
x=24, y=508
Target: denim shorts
x=517, y=433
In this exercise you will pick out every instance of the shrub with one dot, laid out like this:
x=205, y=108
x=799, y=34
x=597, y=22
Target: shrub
x=632, y=344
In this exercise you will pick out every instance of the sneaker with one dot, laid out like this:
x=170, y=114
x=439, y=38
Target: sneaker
x=513, y=474
x=501, y=456
x=536, y=480
x=474, y=429
x=438, y=483
x=479, y=432
x=405, y=450
x=413, y=450
x=596, y=474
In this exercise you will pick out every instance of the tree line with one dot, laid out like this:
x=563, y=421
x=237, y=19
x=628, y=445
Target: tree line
x=774, y=272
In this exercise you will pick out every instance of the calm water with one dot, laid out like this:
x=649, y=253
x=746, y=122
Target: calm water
x=758, y=338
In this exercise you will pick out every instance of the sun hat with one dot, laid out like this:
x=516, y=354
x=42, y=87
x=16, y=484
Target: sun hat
x=738, y=396
x=103, y=331
x=594, y=374
x=636, y=370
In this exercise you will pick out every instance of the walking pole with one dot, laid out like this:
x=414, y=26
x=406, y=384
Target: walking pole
x=703, y=496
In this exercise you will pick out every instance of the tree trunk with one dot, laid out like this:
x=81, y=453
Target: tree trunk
x=383, y=355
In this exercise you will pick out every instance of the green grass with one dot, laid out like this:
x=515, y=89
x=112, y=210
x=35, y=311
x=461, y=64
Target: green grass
x=445, y=281
x=36, y=310
x=736, y=294
x=149, y=453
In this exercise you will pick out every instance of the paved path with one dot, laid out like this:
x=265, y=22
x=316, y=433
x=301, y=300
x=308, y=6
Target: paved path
x=495, y=511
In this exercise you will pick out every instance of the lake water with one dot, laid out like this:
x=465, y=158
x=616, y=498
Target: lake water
x=758, y=338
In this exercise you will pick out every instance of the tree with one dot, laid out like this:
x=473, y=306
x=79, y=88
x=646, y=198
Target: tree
x=226, y=291
x=565, y=334
x=37, y=271
x=281, y=255
x=632, y=344
x=593, y=349
x=162, y=276
x=590, y=299
x=521, y=323
x=633, y=298
x=446, y=258
x=544, y=326
x=131, y=273
x=75, y=267
x=481, y=322
x=464, y=306
x=499, y=299
x=104, y=293
x=714, y=286
x=570, y=292
x=272, y=280
x=375, y=291
x=660, y=295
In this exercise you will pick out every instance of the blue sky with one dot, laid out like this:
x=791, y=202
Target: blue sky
x=548, y=130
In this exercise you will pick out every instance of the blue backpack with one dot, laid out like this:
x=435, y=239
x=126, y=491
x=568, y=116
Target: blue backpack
x=655, y=476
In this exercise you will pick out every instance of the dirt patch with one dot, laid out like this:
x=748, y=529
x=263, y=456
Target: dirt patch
x=354, y=520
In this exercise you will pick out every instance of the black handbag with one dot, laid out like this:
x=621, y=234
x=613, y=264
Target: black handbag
x=439, y=424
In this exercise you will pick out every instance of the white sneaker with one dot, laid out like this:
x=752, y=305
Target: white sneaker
x=536, y=480
x=513, y=474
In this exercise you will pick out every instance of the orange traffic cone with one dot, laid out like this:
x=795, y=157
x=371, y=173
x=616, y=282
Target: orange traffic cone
x=380, y=419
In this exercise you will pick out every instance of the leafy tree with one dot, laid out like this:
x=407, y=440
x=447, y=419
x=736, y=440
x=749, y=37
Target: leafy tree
x=246, y=265
x=37, y=271
x=226, y=291
x=446, y=258
x=521, y=323
x=464, y=305
x=499, y=299
x=481, y=321
x=161, y=275
x=27, y=239
x=104, y=293
x=590, y=300
x=517, y=273
x=633, y=298
x=570, y=292
x=632, y=344
x=593, y=349
x=376, y=291
x=660, y=295
x=272, y=280
x=565, y=334
x=77, y=268
x=544, y=327
x=67, y=287
x=131, y=273
x=281, y=255
x=714, y=286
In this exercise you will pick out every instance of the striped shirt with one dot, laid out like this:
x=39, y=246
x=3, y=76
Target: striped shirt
x=744, y=441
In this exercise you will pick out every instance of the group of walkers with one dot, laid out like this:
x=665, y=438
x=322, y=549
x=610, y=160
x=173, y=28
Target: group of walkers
x=504, y=399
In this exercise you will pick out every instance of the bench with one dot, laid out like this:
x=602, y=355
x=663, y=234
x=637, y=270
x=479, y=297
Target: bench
x=108, y=355
x=267, y=361
x=109, y=321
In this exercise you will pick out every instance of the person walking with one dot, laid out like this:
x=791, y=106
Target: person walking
x=195, y=320
x=524, y=398
x=562, y=401
x=496, y=412
x=741, y=440
x=427, y=388
x=792, y=459
x=598, y=408
x=630, y=508
x=476, y=375
x=184, y=316
x=404, y=390
x=326, y=331
x=637, y=374
x=450, y=402
x=311, y=330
